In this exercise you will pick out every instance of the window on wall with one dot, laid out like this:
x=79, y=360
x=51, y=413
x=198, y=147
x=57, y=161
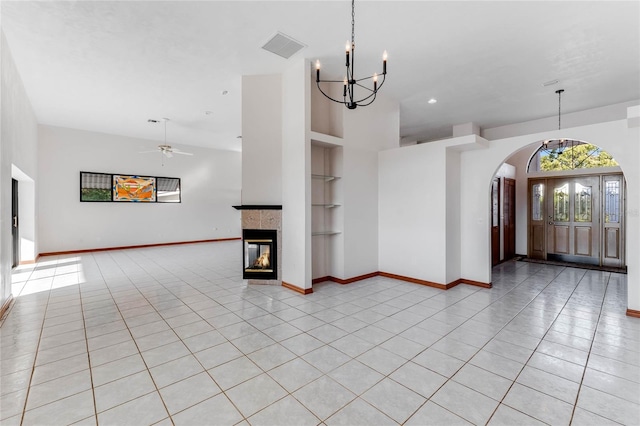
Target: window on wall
x=566, y=154
x=95, y=186
x=168, y=190
x=109, y=187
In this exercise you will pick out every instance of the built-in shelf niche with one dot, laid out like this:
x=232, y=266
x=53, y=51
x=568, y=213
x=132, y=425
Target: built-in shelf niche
x=326, y=205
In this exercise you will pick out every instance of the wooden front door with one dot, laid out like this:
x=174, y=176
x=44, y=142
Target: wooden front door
x=573, y=216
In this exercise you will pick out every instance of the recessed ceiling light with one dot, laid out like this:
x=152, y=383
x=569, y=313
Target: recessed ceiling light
x=551, y=82
x=224, y=92
x=432, y=100
x=208, y=112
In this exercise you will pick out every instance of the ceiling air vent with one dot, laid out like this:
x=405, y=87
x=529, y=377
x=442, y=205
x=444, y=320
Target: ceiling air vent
x=283, y=45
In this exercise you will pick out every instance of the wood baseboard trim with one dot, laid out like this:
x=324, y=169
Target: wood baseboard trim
x=5, y=307
x=633, y=313
x=296, y=288
x=418, y=281
x=57, y=253
x=29, y=262
x=473, y=283
x=433, y=284
x=344, y=281
x=354, y=279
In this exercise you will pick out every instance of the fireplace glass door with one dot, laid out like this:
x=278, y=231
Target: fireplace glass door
x=260, y=260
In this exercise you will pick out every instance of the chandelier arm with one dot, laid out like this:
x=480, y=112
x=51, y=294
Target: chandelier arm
x=329, y=97
x=370, y=77
x=366, y=97
x=371, y=101
x=364, y=87
x=585, y=158
x=329, y=81
x=368, y=88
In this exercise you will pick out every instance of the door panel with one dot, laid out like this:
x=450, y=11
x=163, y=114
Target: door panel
x=537, y=244
x=611, y=243
x=573, y=234
x=583, y=241
x=560, y=239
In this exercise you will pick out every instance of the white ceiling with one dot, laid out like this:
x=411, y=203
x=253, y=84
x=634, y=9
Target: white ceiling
x=109, y=66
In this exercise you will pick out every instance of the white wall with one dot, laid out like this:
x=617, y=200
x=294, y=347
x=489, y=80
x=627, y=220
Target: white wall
x=210, y=182
x=521, y=160
x=575, y=119
x=296, y=177
x=18, y=148
x=412, y=212
x=453, y=215
x=262, y=139
x=367, y=130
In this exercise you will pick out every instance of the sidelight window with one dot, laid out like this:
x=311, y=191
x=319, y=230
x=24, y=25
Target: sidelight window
x=612, y=201
x=537, y=206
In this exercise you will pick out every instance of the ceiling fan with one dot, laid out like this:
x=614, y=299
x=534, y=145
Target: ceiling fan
x=165, y=149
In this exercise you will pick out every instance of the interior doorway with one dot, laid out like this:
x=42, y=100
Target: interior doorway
x=503, y=219
x=495, y=221
x=509, y=209
x=15, y=231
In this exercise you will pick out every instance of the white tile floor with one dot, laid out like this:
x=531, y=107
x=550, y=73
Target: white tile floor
x=172, y=335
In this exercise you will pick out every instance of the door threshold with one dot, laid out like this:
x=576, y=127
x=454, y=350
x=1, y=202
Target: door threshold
x=622, y=270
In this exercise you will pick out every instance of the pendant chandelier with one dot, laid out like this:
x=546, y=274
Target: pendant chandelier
x=563, y=150
x=561, y=143
x=350, y=81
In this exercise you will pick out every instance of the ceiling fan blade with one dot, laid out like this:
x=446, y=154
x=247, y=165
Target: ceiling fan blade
x=182, y=153
x=168, y=154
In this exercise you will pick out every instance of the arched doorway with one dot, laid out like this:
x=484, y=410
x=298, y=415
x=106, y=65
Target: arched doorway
x=575, y=204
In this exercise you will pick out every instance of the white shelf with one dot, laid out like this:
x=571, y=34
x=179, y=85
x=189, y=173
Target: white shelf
x=325, y=233
x=323, y=139
x=326, y=178
x=326, y=206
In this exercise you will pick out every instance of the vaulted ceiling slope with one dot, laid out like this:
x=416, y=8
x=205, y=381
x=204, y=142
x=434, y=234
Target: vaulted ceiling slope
x=108, y=66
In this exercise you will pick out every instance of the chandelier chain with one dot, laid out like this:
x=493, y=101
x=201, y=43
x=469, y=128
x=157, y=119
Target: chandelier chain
x=353, y=22
x=559, y=107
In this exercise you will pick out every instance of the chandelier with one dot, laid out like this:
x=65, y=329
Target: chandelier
x=565, y=152
x=350, y=81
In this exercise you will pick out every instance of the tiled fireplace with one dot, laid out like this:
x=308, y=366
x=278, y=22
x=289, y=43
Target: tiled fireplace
x=262, y=248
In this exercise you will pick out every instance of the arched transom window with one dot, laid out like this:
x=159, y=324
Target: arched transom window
x=568, y=154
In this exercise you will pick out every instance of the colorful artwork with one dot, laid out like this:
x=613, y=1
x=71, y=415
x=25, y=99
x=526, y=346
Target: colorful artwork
x=134, y=188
